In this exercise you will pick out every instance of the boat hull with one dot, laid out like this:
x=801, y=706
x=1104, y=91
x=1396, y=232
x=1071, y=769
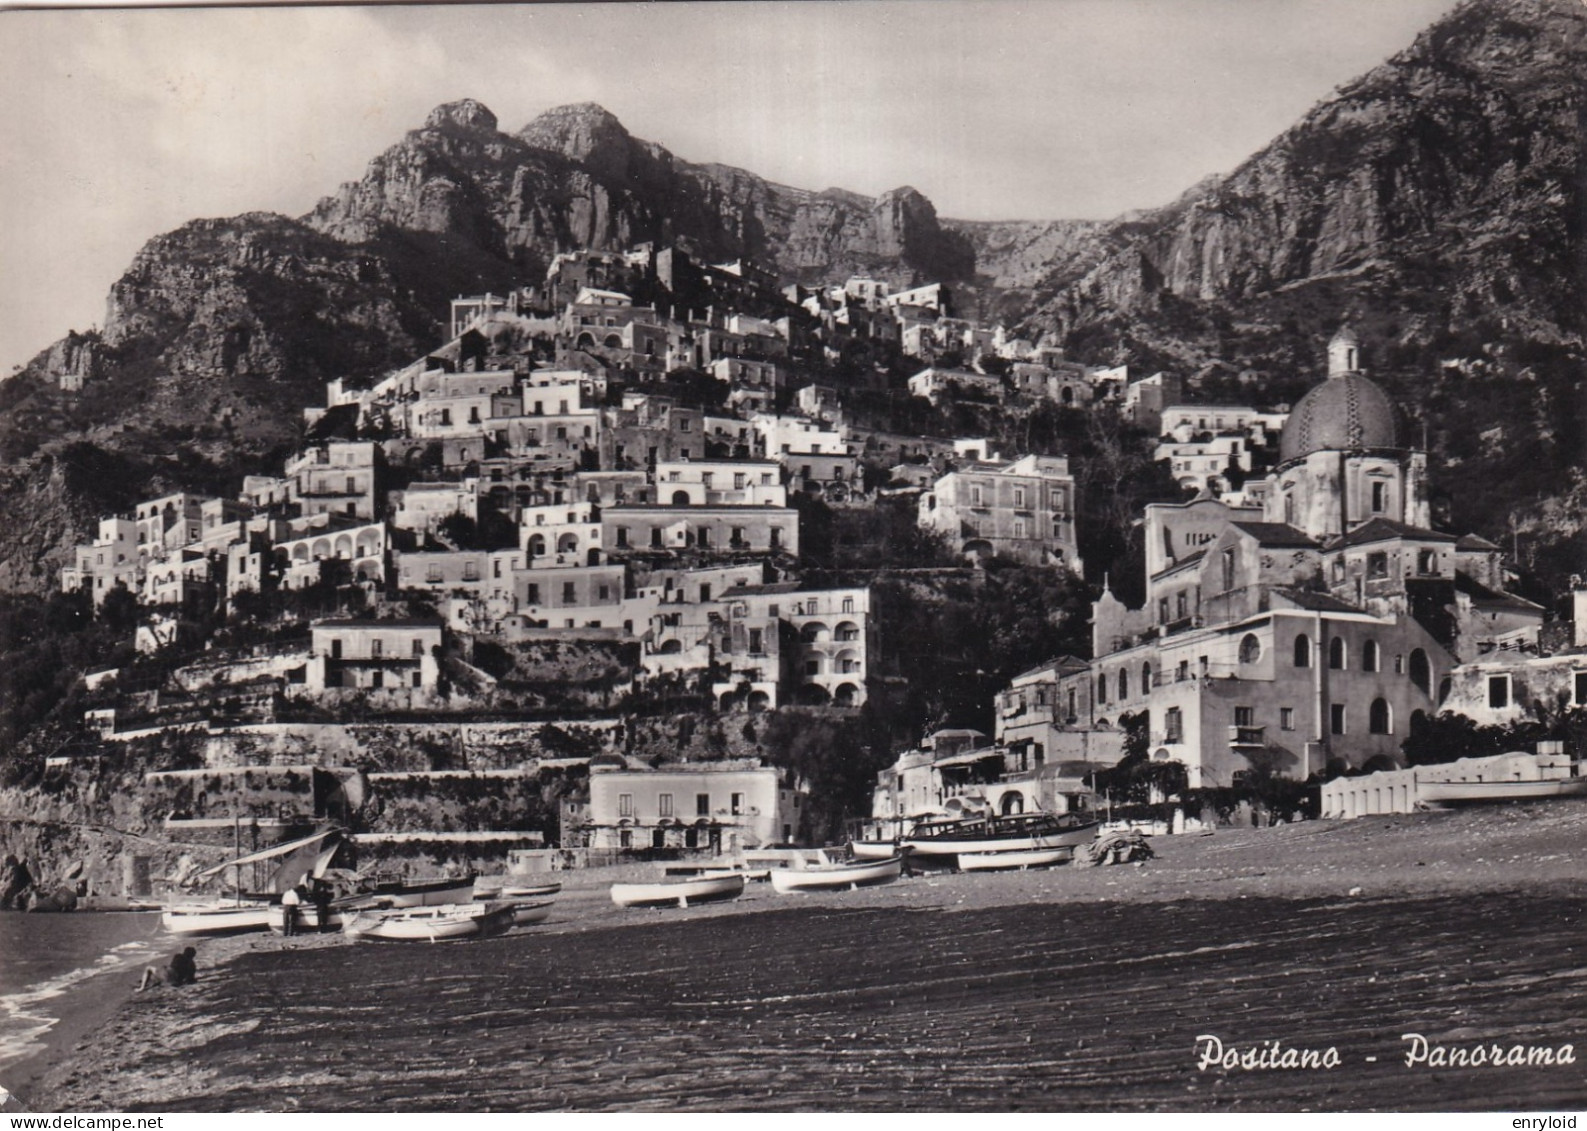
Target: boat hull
x=190, y=922
x=1017, y=859
x=442, y=923
x=1456, y=791
x=873, y=849
x=528, y=914
x=531, y=891
x=431, y=893
x=679, y=893
x=838, y=877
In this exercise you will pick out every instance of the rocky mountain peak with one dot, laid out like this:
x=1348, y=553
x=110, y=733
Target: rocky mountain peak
x=584, y=132
x=465, y=112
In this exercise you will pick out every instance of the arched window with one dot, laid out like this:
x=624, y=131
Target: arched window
x=1369, y=656
x=1250, y=648
x=1380, y=718
x=1302, y=651
x=1336, y=653
x=1146, y=679
x=1102, y=689
x=1421, y=671
x=1124, y=684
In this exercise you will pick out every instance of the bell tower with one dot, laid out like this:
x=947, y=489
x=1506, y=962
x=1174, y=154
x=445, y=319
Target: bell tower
x=1344, y=352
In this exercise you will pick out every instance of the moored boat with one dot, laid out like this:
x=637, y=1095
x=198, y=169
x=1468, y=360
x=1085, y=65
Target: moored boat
x=1026, y=831
x=438, y=923
x=873, y=849
x=1459, y=791
x=448, y=891
x=1012, y=859
x=527, y=914
x=679, y=893
x=530, y=891
x=837, y=877
x=751, y=875
x=219, y=918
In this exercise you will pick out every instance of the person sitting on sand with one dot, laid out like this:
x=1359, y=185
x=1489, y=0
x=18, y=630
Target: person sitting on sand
x=181, y=971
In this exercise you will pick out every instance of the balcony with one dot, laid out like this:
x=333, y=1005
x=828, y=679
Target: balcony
x=1247, y=736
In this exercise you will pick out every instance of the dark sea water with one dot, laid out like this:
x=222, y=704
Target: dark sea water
x=48, y=960
x=1093, y=1006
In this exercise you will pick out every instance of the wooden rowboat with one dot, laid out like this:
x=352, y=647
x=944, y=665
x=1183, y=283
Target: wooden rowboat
x=1017, y=858
x=432, y=924
x=527, y=914
x=1460, y=791
x=530, y=891
x=679, y=893
x=837, y=877
x=191, y=919
x=449, y=891
x=873, y=849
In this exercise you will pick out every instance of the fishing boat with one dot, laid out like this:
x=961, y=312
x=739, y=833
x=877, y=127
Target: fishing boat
x=679, y=893
x=1462, y=791
x=439, y=923
x=837, y=877
x=751, y=875
x=1014, y=859
x=873, y=849
x=1026, y=831
x=252, y=910
x=216, y=918
x=527, y=914
x=448, y=891
x=530, y=891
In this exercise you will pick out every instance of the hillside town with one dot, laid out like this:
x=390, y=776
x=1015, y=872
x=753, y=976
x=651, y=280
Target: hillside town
x=587, y=504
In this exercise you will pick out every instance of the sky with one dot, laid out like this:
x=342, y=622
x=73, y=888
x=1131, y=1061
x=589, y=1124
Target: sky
x=122, y=124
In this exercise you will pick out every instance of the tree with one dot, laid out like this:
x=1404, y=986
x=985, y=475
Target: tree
x=458, y=531
x=119, y=611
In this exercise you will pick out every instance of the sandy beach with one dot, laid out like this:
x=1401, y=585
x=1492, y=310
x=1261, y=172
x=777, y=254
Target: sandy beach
x=1068, y=989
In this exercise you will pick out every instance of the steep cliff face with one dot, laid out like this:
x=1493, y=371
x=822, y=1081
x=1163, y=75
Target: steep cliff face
x=574, y=177
x=1447, y=182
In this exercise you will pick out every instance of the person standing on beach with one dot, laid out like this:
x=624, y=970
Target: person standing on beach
x=291, y=899
x=322, y=905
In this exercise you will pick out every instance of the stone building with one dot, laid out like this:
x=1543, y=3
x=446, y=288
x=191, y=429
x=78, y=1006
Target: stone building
x=716, y=807
x=374, y=655
x=1023, y=510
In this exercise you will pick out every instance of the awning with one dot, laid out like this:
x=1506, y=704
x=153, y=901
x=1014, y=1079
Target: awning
x=269, y=853
x=970, y=756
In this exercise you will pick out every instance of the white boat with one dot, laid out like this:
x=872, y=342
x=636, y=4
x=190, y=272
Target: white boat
x=751, y=875
x=1446, y=791
x=873, y=849
x=449, y=891
x=530, y=891
x=226, y=918
x=679, y=893
x=837, y=877
x=1018, y=858
x=432, y=924
x=527, y=914
x=1002, y=834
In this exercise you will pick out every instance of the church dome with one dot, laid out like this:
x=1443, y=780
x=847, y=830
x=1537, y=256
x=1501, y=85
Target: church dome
x=1345, y=412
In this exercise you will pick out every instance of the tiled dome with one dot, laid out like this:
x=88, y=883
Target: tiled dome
x=1345, y=412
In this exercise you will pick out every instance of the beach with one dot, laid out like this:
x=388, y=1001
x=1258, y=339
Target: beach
x=1069, y=989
